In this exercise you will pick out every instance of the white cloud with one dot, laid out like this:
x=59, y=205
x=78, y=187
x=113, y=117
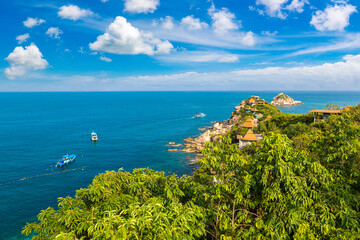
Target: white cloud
x=230, y=58
x=342, y=75
x=167, y=22
x=200, y=57
x=273, y=7
x=31, y=22
x=348, y=42
x=249, y=39
x=192, y=23
x=223, y=20
x=122, y=38
x=73, y=12
x=23, y=59
x=22, y=38
x=205, y=36
x=54, y=32
x=297, y=5
x=279, y=9
x=105, y=59
x=333, y=18
x=141, y=6
x=268, y=33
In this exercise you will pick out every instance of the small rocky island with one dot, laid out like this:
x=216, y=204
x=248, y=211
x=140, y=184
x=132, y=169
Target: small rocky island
x=283, y=100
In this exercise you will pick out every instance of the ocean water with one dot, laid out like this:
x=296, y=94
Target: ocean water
x=36, y=129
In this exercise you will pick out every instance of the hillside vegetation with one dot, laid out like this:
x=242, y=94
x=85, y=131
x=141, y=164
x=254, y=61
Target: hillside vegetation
x=301, y=181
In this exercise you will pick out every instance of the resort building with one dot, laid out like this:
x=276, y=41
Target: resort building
x=347, y=108
x=247, y=109
x=324, y=113
x=261, y=102
x=268, y=118
x=254, y=111
x=249, y=123
x=249, y=138
x=252, y=102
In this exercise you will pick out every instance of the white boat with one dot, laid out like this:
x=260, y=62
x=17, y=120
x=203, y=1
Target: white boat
x=200, y=115
x=94, y=136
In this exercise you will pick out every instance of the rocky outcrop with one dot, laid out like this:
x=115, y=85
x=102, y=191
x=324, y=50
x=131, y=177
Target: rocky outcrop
x=193, y=145
x=283, y=100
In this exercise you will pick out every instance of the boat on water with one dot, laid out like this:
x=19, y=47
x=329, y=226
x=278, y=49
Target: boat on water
x=200, y=115
x=66, y=159
x=94, y=136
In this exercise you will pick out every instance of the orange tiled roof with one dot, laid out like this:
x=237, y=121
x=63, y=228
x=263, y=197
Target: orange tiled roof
x=268, y=117
x=348, y=108
x=248, y=123
x=254, y=110
x=249, y=136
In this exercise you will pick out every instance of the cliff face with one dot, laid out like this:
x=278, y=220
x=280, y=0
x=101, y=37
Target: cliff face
x=283, y=100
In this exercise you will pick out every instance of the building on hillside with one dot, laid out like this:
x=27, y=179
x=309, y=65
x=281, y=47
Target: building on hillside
x=249, y=123
x=248, y=109
x=237, y=108
x=268, y=118
x=243, y=103
x=260, y=102
x=249, y=138
x=324, y=113
x=256, y=97
x=254, y=111
x=252, y=102
x=347, y=108
x=258, y=116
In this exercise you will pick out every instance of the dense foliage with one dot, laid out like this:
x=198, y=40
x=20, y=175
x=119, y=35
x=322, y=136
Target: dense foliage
x=301, y=181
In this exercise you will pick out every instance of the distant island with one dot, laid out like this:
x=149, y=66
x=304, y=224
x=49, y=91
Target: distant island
x=283, y=100
x=263, y=174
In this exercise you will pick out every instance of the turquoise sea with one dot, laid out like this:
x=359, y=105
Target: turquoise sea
x=36, y=129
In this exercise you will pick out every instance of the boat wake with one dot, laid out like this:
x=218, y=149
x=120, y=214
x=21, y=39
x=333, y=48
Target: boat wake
x=42, y=175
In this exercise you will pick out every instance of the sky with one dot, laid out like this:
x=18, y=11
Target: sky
x=182, y=45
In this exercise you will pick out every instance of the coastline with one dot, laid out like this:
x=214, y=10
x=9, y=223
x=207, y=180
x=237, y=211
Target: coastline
x=118, y=146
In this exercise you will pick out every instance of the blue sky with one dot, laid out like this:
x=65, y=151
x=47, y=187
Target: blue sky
x=185, y=45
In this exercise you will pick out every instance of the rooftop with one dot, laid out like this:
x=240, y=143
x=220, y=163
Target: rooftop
x=248, y=123
x=249, y=136
x=336, y=111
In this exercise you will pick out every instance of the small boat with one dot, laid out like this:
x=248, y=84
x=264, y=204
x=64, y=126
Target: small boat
x=66, y=159
x=200, y=115
x=94, y=136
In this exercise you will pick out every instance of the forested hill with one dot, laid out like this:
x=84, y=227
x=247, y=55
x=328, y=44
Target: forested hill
x=300, y=182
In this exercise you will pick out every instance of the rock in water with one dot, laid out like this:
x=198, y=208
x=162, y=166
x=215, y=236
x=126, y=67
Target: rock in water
x=283, y=100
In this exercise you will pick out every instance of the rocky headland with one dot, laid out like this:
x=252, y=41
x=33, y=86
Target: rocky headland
x=283, y=100
x=254, y=107
x=194, y=145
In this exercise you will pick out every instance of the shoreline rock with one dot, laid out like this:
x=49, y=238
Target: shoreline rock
x=194, y=145
x=283, y=100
